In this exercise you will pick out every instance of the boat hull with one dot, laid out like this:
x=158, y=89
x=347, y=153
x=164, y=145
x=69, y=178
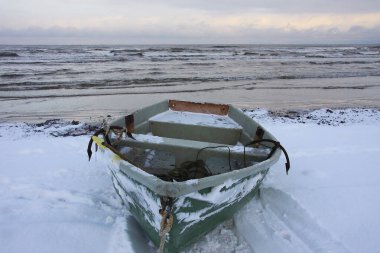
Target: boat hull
x=195, y=214
x=156, y=143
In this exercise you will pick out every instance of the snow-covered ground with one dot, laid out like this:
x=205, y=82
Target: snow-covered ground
x=52, y=199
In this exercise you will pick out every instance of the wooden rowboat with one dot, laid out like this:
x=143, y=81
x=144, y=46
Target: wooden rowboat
x=184, y=167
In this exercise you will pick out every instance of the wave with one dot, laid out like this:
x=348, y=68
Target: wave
x=342, y=62
x=175, y=91
x=261, y=54
x=160, y=82
x=316, y=56
x=12, y=76
x=57, y=72
x=106, y=84
x=251, y=53
x=178, y=49
x=8, y=54
x=110, y=94
x=312, y=87
x=225, y=46
x=131, y=52
x=157, y=73
x=374, y=73
x=60, y=72
x=42, y=63
x=199, y=63
x=118, y=67
x=118, y=51
x=179, y=58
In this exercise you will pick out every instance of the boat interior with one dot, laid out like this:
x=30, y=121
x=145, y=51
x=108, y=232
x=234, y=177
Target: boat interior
x=176, y=134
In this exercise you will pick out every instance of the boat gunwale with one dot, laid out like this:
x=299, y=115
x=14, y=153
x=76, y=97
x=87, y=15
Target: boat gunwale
x=176, y=189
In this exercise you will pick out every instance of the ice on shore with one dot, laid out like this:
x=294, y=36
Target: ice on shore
x=53, y=200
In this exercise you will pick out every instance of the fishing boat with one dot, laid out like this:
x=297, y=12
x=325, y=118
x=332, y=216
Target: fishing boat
x=184, y=167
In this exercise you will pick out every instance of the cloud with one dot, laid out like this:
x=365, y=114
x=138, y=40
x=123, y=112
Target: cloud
x=199, y=33
x=277, y=6
x=189, y=21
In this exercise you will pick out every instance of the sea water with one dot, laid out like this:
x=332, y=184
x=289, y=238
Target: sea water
x=39, y=82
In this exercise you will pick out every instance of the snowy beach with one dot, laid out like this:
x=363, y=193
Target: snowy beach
x=54, y=200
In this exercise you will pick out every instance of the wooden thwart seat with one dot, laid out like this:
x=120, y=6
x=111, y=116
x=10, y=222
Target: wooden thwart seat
x=196, y=126
x=187, y=150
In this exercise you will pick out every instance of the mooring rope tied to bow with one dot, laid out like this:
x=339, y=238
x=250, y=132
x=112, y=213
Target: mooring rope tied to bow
x=166, y=226
x=167, y=220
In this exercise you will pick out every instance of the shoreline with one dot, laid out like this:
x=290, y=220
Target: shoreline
x=324, y=117
x=97, y=118
x=28, y=113
x=265, y=94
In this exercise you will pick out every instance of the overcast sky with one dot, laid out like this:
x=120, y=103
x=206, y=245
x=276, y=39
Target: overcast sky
x=188, y=21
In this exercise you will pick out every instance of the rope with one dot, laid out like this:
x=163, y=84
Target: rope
x=105, y=131
x=166, y=226
x=119, y=135
x=223, y=146
x=190, y=170
x=274, y=148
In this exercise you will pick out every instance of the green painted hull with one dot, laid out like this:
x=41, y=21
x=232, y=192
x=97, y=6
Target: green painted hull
x=195, y=214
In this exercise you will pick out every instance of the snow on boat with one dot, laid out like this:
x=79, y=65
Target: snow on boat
x=185, y=167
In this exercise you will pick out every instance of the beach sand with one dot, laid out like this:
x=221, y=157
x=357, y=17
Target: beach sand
x=300, y=94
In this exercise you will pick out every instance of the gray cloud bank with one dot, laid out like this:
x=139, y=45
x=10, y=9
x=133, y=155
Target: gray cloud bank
x=189, y=21
x=181, y=35
x=280, y=6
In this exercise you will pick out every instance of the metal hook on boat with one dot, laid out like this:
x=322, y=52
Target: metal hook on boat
x=277, y=145
x=97, y=133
